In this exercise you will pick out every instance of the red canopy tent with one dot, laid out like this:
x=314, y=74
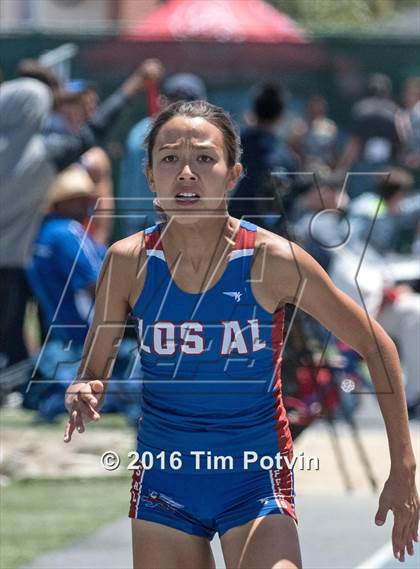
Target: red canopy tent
x=221, y=40
x=251, y=21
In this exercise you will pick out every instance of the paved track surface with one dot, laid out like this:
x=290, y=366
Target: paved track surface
x=336, y=528
x=334, y=534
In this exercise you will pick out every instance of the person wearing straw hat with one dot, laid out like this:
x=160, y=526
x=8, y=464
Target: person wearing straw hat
x=65, y=257
x=62, y=274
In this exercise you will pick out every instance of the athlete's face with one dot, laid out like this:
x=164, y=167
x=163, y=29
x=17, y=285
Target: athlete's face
x=189, y=174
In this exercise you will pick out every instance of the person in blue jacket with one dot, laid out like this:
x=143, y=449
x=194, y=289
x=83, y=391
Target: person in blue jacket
x=62, y=273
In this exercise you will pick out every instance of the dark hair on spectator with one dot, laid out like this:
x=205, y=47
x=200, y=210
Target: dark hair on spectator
x=268, y=102
x=398, y=180
x=379, y=85
x=32, y=69
x=199, y=109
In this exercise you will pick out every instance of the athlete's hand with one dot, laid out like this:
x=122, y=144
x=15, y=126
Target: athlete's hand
x=82, y=400
x=400, y=496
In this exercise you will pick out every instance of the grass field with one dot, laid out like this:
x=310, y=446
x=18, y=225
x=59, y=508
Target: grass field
x=23, y=418
x=41, y=515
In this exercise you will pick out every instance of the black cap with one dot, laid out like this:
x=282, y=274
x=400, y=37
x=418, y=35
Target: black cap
x=184, y=87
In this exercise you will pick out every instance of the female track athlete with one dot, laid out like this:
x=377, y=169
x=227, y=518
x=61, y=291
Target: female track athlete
x=207, y=292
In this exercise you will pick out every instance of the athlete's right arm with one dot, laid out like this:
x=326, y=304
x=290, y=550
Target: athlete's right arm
x=120, y=274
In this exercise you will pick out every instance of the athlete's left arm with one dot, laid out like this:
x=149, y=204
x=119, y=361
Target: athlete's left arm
x=312, y=290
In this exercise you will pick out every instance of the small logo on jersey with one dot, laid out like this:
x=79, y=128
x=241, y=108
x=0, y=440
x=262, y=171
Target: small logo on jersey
x=234, y=294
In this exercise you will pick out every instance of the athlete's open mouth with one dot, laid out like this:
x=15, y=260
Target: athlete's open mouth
x=187, y=197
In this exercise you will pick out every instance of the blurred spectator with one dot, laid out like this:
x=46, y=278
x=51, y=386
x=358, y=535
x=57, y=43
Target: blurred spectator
x=74, y=106
x=62, y=274
x=315, y=139
x=133, y=182
x=28, y=165
x=25, y=174
x=386, y=216
x=409, y=123
x=340, y=234
x=66, y=260
x=263, y=154
x=374, y=143
x=396, y=307
x=32, y=69
x=319, y=214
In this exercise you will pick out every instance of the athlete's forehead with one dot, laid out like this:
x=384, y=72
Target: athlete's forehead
x=197, y=131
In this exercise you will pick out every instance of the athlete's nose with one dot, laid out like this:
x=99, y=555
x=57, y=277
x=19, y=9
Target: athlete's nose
x=186, y=175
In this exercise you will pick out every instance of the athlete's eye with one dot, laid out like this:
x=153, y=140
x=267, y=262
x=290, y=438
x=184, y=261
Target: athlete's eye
x=205, y=158
x=169, y=158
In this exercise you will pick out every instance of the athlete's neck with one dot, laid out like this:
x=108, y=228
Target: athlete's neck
x=200, y=239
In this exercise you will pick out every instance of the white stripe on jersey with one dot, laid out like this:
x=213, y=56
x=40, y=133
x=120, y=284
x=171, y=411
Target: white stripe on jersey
x=156, y=253
x=241, y=253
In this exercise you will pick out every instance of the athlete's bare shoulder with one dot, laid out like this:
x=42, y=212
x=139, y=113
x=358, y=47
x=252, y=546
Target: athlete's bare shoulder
x=130, y=247
x=276, y=246
x=126, y=260
x=275, y=269
x=280, y=254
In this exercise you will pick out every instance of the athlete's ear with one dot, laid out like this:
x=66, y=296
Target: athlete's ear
x=234, y=176
x=149, y=175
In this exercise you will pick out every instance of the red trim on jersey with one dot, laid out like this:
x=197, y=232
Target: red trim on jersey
x=153, y=240
x=245, y=239
x=284, y=477
x=137, y=481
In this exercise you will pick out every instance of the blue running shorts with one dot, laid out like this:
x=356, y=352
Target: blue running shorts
x=208, y=503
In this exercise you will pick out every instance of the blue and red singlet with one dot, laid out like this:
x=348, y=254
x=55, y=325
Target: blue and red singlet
x=211, y=387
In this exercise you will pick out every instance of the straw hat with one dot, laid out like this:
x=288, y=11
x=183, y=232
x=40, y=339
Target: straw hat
x=74, y=182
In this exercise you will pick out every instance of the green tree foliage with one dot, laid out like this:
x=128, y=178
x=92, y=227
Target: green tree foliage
x=342, y=15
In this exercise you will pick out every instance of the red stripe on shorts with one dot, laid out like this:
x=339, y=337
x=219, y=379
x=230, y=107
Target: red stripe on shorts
x=136, y=484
